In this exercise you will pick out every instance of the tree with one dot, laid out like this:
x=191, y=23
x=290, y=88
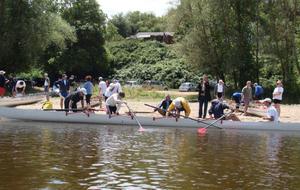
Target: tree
x=26, y=30
x=87, y=55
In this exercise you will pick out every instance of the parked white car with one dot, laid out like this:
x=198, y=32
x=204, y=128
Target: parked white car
x=187, y=87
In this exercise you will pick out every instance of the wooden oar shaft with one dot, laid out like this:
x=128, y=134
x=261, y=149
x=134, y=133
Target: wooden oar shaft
x=72, y=109
x=197, y=120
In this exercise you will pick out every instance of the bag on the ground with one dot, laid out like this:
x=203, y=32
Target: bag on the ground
x=47, y=105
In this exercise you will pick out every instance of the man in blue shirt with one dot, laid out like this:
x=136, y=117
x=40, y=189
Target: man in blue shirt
x=258, y=93
x=237, y=96
x=217, y=108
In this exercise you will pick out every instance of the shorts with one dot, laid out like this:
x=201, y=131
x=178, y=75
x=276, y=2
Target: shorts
x=276, y=101
x=88, y=98
x=219, y=94
x=64, y=94
x=2, y=91
x=46, y=88
x=246, y=101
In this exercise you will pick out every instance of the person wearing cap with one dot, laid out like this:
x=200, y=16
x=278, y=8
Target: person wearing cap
x=46, y=85
x=64, y=88
x=247, y=96
x=20, y=88
x=258, y=91
x=88, y=85
x=203, y=96
x=277, y=96
x=113, y=103
x=3, y=82
x=178, y=105
x=220, y=90
x=164, y=105
x=72, y=99
x=217, y=108
x=102, y=88
x=272, y=114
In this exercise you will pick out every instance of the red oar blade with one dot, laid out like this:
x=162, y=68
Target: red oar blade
x=202, y=130
x=141, y=129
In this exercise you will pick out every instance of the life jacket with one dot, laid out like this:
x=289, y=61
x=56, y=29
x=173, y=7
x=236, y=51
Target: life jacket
x=47, y=105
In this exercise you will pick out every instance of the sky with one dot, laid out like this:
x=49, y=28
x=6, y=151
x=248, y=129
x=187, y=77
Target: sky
x=112, y=7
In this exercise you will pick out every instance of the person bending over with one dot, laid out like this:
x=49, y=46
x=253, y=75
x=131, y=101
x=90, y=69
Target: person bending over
x=217, y=108
x=72, y=99
x=178, y=105
x=113, y=103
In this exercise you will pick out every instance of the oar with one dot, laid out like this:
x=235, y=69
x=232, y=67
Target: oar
x=133, y=114
x=199, y=121
x=90, y=109
x=203, y=130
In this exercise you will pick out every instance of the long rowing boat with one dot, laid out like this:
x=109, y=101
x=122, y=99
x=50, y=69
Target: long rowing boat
x=56, y=116
x=13, y=102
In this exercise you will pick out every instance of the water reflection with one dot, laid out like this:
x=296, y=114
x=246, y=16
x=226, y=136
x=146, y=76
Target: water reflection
x=64, y=156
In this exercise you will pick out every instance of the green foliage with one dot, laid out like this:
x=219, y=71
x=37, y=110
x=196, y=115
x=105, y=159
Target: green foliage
x=26, y=30
x=149, y=61
x=87, y=55
x=142, y=94
x=134, y=22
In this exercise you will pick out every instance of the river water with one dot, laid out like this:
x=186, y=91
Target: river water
x=63, y=156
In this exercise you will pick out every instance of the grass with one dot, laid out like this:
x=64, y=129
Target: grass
x=142, y=94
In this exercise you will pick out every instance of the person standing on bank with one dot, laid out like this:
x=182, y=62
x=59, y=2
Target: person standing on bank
x=220, y=90
x=277, y=96
x=64, y=88
x=203, y=96
x=46, y=86
x=247, y=96
x=3, y=82
x=88, y=85
x=102, y=89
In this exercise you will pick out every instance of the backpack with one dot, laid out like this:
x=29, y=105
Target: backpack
x=47, y=105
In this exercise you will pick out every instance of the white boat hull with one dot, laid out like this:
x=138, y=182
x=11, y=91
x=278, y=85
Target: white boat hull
x=58, y=116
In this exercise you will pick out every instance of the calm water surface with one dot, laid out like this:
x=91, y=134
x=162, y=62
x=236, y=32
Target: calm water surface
x=63, y=156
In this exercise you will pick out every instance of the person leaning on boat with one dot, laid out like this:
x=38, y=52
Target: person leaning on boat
x=164, y=105
x=72, y=99
x=217, y=110
x=237, y=97
x=19, y=89
x=178, y=105
x=113, y=103
x=272, y=114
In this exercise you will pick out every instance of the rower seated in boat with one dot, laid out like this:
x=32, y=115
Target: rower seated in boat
x=217, y=108
x=164, y=105
x=72, y=99
x=19, y=89
x=113, y=103
x=272, y=114
x=178, y=105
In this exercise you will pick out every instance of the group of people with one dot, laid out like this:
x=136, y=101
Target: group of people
x=111, y=93
x=16, y=86
x=169, y=107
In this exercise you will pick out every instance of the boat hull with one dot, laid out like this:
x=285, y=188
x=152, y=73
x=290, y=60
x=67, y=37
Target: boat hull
x=62, y=117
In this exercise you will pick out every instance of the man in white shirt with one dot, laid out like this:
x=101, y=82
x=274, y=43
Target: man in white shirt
x=272, y=114
x=102, y=89
x=113, y=103
x=118, y=87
